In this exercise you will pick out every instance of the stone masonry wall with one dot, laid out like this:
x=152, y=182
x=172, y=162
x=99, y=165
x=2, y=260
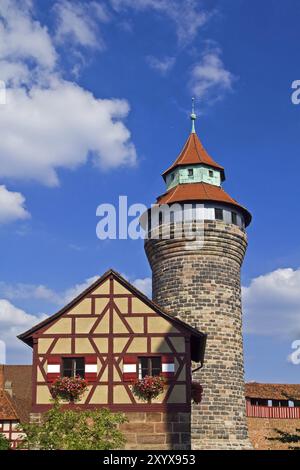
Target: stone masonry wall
x=202, y=286
x=157, y=431
x=151, y=431
x=261, y=429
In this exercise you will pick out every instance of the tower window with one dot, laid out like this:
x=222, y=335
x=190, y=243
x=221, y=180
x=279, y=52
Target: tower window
x=149, y=366
x=73, y=367
x=210, y=173
x=191, y=172
x=172, y=177
x=234, y=218
x=218, y=214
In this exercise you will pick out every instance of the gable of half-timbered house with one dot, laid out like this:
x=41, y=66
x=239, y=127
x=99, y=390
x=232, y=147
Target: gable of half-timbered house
x=112, y=334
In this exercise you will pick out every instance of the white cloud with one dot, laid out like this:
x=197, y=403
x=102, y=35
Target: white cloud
x=163, y=66
x=144, y=285
x=51, y=123
x=271, y=304
x=187, y=15
x=46, y=129
x=22, y=39
x=23, y=291
x=14, y=321
x=74, y=291
x=11, y=206
x=209, y=78
x=78, y=22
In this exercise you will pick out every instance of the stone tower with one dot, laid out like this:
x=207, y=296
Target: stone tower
x=200, y=283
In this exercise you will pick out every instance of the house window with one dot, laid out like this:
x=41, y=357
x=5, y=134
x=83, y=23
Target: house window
x=258, y=402
x=210, y=173
x=234, y=218
x=191, y=172
x=280, y=403
x=218, y=214
x=73, y=366
x=149, y=366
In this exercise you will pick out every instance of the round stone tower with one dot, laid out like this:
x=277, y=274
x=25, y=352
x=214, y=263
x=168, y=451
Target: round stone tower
x=197, y=278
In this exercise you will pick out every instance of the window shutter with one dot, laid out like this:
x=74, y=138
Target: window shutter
x=167, y=367
x=130, y=372
x=53, y=368
x=90, y=368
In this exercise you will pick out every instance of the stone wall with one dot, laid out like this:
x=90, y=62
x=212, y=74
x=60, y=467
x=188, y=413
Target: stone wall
x=202, y=286
x=260, y=429
x=151, y=431
x=157, y=431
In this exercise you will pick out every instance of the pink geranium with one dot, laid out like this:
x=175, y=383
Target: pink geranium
x=68, y=388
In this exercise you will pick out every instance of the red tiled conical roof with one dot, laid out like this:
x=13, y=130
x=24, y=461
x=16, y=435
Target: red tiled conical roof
x=200, y=192
x=194, y=153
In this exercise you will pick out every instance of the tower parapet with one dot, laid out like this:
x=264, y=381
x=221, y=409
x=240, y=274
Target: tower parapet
x=200, y=283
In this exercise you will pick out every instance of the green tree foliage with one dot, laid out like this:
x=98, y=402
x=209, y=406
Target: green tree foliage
x=4, y=443
x=75, y=430
x=287, y=438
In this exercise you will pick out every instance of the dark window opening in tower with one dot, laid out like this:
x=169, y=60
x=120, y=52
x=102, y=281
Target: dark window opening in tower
x=172, y=220
x=234, y=218
x=149, y=224
x=160, y=222
x=172, y=177
x=150, y=366
x=218, y=214
x=211, y=173
x=191, y=172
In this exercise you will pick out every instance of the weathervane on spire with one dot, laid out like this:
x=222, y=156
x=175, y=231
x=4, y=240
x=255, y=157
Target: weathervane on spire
x=193, y=116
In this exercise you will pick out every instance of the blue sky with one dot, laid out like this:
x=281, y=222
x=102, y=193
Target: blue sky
x=97, y=104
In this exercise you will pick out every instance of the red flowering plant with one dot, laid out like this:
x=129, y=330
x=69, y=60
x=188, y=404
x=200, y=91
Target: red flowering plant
x=197, y=391
x=68, y=388
x=148, y=387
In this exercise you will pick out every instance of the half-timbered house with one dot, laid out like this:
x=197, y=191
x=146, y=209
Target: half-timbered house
x=112, y=334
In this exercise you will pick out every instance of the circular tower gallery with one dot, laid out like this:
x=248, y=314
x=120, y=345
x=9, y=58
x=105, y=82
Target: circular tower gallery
x=199, y=281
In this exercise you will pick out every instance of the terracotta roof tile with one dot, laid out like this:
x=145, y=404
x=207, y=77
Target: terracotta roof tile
x=272, y=391
x=194, y=153
x=7, y=411
x=200, y=192
x=19, y=408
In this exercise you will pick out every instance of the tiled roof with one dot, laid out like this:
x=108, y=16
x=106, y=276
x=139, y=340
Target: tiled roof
x=7, y=411
x=194, y=153
x=18, y=406
x=201, y=192
x=20, y=377
x=272, y=391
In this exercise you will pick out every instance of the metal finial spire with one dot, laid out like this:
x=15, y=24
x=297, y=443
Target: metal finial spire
x=193, y=116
